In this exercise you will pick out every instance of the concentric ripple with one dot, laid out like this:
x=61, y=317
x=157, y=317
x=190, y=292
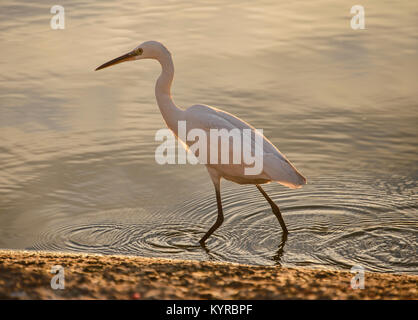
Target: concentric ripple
x=339, y=229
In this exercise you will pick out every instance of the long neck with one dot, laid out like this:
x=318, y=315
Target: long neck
x=170, y=112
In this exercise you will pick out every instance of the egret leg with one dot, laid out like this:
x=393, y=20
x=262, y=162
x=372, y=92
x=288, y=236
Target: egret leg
x=220, y=218
x=275, y=209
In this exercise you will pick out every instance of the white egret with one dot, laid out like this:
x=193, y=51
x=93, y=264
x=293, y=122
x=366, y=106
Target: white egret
x=275, y=165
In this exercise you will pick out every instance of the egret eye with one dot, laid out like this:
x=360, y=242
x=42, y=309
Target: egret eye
x=138, y=51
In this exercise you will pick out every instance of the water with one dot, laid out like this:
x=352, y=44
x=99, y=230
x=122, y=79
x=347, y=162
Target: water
x=77, y=168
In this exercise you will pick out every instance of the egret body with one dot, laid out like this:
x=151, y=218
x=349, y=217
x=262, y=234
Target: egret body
x=276, y=167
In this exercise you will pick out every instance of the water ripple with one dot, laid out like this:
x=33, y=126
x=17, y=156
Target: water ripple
x=341, y=233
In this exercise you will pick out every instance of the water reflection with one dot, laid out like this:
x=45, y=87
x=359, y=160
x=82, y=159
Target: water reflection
x=77, y=168
x=278, y=256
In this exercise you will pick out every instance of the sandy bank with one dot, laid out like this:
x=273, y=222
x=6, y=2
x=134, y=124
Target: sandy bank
x=27, y=275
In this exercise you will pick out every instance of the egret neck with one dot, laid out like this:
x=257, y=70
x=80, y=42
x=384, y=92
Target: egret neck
x=170, y=112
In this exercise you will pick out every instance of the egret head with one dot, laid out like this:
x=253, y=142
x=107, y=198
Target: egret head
x=146, y=50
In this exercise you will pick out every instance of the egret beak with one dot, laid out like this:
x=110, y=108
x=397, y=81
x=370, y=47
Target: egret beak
x=126, y=57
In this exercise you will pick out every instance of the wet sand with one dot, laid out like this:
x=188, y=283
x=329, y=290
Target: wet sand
x=27, y=275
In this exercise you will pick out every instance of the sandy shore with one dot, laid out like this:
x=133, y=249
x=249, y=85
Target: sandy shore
x=27, y=275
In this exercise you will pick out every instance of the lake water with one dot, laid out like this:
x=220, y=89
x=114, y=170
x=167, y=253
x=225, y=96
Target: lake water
x=77, y=167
